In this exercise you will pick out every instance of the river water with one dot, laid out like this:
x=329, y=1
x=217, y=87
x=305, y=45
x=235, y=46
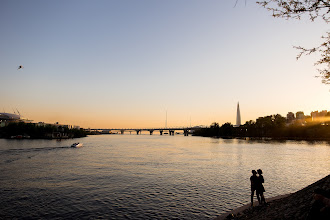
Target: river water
x=148, y=177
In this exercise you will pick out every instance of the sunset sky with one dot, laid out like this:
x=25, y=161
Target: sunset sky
x=124, y=63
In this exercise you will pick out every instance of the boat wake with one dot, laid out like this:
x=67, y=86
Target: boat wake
x=11, y=155
x=37, y=149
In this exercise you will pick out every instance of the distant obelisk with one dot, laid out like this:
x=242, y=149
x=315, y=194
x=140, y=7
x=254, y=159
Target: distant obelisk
x=238, y=116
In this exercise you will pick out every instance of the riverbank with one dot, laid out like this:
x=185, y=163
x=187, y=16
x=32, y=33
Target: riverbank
x=239, y=210
x=272, y=126
x=33, y=131
x=291, y=206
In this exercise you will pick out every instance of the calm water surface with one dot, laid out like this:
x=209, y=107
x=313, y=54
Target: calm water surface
x=148, y=177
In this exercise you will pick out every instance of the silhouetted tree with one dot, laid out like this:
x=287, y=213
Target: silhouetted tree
x=271, y=126
x=250, y=128
x=227, y=130
x=279, y=121
x=314, y=9
x=215, y=129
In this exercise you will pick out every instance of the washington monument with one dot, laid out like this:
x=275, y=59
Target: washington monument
x=238, y=116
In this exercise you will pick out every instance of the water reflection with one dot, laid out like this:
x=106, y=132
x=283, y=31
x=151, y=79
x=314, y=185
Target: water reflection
x=144, y=177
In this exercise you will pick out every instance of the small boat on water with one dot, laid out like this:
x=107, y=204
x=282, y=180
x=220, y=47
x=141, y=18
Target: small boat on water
x=77, y=145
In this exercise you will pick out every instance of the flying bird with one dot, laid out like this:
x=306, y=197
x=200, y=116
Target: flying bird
x=20, y=67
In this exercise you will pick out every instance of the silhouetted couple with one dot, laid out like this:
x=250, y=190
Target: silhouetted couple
x=256, y=185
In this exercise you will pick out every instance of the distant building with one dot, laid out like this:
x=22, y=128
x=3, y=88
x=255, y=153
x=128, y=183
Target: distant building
x=290, y=117
x=9, y=116
x=324, y=113
x=40, y=124
x=314, y=115
x=6, y=118
x=238, y=116
x=106, y=131
x=300, y=115
x=57, y=124
x=319, y=116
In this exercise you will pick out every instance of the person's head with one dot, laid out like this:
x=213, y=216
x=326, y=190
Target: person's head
x=254, y=172
x=259, y=171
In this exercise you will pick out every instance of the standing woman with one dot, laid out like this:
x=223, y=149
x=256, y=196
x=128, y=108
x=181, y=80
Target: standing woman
x=260, y=188
x=254, y=185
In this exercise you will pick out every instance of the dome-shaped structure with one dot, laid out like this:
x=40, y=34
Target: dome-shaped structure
x=9, y=117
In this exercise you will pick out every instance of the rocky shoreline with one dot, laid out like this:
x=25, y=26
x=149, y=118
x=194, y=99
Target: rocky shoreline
x=292, y=206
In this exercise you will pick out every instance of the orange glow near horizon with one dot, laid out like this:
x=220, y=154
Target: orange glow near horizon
x=143, y=120
x=195, y=61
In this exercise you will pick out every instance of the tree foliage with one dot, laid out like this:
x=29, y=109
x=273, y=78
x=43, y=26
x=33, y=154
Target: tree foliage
x=271, y=126
x=295, y=9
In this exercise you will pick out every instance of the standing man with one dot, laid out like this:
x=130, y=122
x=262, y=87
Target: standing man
x=254, y=185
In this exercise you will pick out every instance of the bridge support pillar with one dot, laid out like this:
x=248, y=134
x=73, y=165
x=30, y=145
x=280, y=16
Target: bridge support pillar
x=161, y=132
x=138, y=132
x=130, y=132
x=171, y=132
x=185, y=132
x=151, y=131
x=122, y=131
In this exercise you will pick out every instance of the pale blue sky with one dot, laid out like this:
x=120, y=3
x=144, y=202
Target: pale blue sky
x=124, y=63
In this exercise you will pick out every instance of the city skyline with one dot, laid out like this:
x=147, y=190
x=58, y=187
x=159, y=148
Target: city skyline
x=314, y=116
x=125, y=64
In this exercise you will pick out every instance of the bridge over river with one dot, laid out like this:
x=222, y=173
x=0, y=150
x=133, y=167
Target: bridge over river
x=169, y=131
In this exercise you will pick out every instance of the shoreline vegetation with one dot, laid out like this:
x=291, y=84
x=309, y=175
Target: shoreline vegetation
x=274, y=127
x=23, y=130
x=290, y=206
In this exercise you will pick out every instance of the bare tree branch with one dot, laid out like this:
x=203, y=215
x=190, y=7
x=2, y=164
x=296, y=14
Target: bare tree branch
x=293, y=9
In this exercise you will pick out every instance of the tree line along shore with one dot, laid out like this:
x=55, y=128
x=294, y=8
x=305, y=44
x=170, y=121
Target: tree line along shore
x=273, y=126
